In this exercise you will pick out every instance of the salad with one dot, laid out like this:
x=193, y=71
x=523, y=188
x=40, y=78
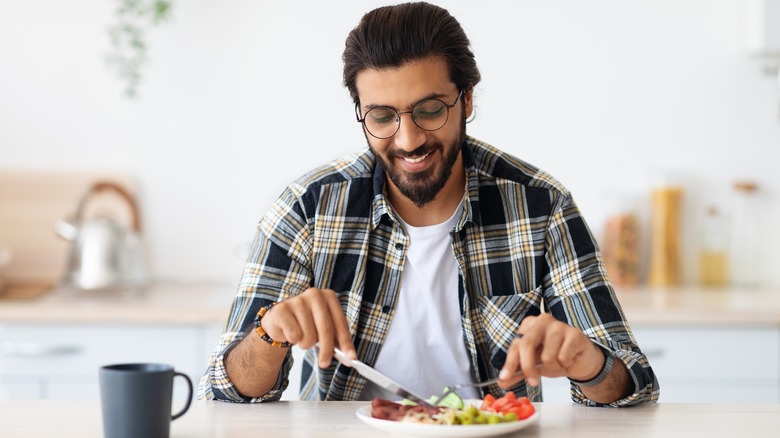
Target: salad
x=452, y=410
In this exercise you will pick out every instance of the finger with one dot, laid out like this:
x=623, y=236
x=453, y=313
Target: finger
x=550, y=353
x=527, y=323
x=582, y=358
x=342, y=335
x=323, y=322
x=530, y=347
x=507, y=376
x=307, y=322
x=571, y=347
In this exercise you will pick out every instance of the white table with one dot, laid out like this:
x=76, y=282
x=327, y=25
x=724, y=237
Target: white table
x=82, y=419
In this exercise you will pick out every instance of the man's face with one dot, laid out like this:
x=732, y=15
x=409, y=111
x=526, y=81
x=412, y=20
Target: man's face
x=417, y=162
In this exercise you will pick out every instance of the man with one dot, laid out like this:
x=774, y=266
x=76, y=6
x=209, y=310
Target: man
x=432, y=256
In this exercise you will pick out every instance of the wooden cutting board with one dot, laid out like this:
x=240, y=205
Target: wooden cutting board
x=31, y=202
x=24, y=291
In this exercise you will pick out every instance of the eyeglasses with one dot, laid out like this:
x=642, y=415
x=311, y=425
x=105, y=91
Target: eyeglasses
x=383, y=122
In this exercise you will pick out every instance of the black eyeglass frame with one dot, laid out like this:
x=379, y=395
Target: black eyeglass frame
x=362, y=120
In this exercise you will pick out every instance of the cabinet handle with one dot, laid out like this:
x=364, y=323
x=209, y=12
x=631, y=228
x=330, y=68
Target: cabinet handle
x=29, y=349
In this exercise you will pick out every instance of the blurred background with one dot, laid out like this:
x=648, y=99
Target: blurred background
x=610, y=97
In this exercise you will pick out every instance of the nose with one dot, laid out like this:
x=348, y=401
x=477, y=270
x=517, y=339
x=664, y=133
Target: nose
x=409, y=136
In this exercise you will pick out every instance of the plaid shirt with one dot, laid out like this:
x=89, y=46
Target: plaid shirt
x=520, y=243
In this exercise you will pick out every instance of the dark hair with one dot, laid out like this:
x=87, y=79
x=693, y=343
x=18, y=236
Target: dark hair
x=392, y=36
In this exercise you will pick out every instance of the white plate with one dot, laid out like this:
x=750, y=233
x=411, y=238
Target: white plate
x=439, y=430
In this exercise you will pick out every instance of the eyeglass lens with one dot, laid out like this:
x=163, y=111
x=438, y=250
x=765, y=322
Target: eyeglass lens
x=383, y=122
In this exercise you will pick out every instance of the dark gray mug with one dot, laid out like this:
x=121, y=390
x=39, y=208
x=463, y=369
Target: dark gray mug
x=136, y=400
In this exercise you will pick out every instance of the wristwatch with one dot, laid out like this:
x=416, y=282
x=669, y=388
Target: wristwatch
x=609, y=362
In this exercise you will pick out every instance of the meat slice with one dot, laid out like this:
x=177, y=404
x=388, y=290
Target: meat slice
x=388, y=410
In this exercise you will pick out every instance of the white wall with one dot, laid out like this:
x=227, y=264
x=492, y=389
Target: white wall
x=603, y=94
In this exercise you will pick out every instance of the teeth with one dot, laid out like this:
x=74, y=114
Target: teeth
x=415, y=160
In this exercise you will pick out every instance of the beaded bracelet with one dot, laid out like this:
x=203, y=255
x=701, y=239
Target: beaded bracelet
x=609, y=362
x=263, y=335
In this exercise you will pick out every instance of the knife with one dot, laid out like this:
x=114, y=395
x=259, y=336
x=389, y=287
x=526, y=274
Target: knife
x=380, y=379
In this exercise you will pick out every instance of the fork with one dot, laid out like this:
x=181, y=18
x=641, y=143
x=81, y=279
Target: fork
x=451, y=389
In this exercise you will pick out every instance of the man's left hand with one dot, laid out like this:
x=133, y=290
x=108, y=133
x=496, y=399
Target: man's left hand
x=550, y=348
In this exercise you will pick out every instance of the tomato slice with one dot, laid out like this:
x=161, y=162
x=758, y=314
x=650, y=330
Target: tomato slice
x=500, y=404
x=523, y=411
x=509, y=402
x=488, y=401
x=524, y=401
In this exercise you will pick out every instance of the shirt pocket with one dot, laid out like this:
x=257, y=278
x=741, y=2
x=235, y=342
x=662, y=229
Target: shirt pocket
x=501, y=316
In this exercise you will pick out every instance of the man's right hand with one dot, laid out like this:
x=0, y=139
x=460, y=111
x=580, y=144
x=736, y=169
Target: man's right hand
x=313, y=316
x=308, y=318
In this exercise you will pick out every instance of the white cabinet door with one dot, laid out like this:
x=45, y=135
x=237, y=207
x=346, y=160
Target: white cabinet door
x=714, y=365
x=64, y=360
x=704, y=365
x=556, y=390
x=20, y=389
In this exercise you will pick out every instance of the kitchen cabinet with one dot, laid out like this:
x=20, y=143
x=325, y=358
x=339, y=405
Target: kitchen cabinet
x=58, y=361
x=714, y=364
x=705, y=364
x=51, y=347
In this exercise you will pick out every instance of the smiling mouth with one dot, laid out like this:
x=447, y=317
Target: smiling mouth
x=416, y=160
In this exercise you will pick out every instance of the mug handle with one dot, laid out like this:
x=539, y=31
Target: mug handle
x=189, y=397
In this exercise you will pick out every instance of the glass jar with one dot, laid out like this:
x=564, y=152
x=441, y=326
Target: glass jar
x=665, y=259
x=744, y=245
x=621, y=242
x=713, y=249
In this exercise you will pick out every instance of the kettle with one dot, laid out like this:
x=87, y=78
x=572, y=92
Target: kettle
x=105, y=254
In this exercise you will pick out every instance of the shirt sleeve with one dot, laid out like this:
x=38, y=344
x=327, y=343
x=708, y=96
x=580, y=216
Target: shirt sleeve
x=277, y=268
x=577, y=291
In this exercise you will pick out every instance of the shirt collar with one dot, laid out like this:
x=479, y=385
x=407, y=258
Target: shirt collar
x=381, y=205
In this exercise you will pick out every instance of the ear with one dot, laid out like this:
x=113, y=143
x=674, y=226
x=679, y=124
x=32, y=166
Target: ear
x=468, y=95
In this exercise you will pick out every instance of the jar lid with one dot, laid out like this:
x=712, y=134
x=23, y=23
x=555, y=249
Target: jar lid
x=745, y=186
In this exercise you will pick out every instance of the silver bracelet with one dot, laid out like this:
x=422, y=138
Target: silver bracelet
x=609, y=362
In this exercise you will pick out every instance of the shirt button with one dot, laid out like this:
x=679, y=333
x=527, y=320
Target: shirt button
x=399, y=246
x=385, y=309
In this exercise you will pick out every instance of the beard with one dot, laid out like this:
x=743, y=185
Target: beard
x=422, y=187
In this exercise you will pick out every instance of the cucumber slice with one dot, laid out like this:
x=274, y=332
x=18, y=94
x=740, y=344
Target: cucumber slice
x=452, y=400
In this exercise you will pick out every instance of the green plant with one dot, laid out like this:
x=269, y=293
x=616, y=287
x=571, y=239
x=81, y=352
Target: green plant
x=128, y=38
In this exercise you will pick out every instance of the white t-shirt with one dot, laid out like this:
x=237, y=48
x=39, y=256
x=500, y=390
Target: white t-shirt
x=424, y=350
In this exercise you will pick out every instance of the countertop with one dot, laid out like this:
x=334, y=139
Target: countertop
x=158, y=303
x=699, y=306
x=65, y=419
x=199, y=303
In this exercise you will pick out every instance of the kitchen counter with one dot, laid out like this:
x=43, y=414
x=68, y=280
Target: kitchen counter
x=65, y=419
x=182, y=303
x=699, y=306
x=159, y=303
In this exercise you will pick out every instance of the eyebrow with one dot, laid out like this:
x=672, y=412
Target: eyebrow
x=430, y=96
